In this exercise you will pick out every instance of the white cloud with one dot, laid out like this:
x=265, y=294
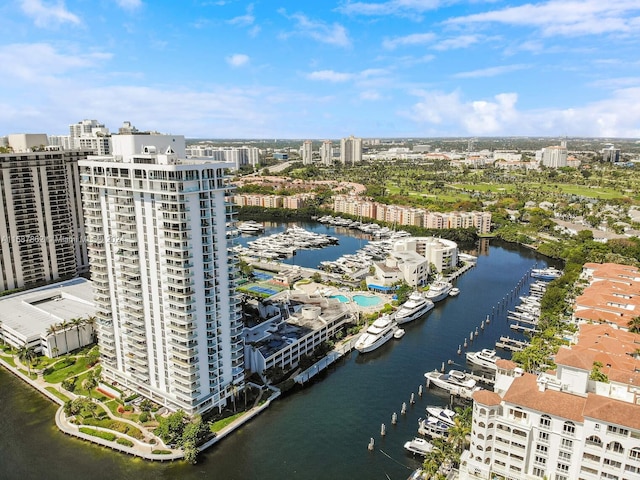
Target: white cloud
x=244, y=20
x=35, y=62
x=413, y=39
x=564, y=17
x=330, y=76
x=129, y=4
x=491, y=71
x=462, y=41
x=44, y=14
x=403, y=8
x=447, y=113
x=237, y=60
x=332, y=34
x=370, y=95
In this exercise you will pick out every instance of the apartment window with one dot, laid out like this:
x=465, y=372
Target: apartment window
x=615, y=447
x=545, y=421
x=540, y=460
x=631, y=468
x=592, y=471
x=564, y=456
x=609, y=475
x=563, y=468
x=543, y=437
x=569, y=428
x=542, y=449
x=612, y=463
x=634, y=453
x=538, y=472
x=594, y=441
x=617, y=430
x=566, y=443
x=590, y=457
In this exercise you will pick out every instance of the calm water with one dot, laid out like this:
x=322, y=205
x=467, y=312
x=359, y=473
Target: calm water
x=320, y=432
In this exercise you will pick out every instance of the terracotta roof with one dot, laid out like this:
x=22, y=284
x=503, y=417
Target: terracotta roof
x=486, y=397
x=506, y=364
x=612, y=411
x=608, y=339
x=524, y=391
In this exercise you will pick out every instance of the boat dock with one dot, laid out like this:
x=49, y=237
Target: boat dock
x=338, y=352
x=522, y=328
x=511, y=344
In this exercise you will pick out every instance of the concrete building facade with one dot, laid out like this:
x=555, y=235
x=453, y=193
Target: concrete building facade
x=169, y=324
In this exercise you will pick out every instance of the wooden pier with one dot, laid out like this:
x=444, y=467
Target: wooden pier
x=511, y=344
x=522, y=328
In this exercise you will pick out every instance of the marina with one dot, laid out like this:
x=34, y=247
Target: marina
x=333, y=402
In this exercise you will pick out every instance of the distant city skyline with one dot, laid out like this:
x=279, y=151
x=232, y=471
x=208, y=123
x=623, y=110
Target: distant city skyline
x=323, y=70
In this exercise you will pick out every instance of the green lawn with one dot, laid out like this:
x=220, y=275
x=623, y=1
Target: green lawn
x=58, y=394
x=61, y=372
x=220, y=424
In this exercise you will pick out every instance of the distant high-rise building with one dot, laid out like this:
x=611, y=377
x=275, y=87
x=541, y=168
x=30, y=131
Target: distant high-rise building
x=42, y=228
x=169, y=323
x=326, y=153
x=610, y=153
x=554, y=157
x=351, y=150
x=307, y=152
x=90, y=135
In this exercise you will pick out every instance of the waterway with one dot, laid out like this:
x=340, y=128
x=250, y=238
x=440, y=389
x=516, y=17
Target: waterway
x=320, y=432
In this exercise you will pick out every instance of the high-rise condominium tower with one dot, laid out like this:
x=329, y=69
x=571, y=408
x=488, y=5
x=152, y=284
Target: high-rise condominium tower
x=42, y=227
x=351, y=150
x=307, y=152
x=169, y=324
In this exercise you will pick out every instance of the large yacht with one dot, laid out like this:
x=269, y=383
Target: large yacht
x=438, y=290
x=549, y=273
x=445, y=415
x=455, y=382
x=432, y=427
x=415, y=306
x=483, y=358
x=418, y=445
x=378, y=333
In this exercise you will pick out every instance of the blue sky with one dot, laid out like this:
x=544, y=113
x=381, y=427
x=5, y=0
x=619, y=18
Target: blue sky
x=323, y=68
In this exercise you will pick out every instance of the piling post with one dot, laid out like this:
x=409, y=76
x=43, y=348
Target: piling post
x=412, y=400
x=371, y=444
x=420, y=390
x=404, y=408
x=383, y=430
x=394, y=418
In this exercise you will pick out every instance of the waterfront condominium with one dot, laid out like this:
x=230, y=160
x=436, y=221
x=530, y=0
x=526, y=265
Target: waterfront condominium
x=351, y=150
x=169, y=323
x=42, y=227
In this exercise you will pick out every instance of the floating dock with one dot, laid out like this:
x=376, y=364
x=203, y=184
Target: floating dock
x=511, y=344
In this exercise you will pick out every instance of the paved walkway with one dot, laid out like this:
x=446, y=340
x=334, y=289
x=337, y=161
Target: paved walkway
x=141, y=448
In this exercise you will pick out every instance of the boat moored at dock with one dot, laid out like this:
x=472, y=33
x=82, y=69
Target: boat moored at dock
x=549, y=273
x=377, y=334
x=484, y=358
x=415, y=307
x=418, y=446
x=454, y=382
x=438, y=290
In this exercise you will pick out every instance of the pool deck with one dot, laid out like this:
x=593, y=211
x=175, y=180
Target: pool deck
x=327, y=291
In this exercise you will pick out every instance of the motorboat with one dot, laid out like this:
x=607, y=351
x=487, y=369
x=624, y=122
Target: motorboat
x=377, y=334
x=455, y=291
x=415, y=306
x=418, y=445
x=433, y=428
x=483, y=358
x=445, y=415
x=549, y=273
x=455, y=382
x=250, y=226
x=399, y=333
x=438, y=290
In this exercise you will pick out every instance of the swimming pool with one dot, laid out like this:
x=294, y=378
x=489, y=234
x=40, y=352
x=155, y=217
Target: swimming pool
x=367, y=300
x=341, y=298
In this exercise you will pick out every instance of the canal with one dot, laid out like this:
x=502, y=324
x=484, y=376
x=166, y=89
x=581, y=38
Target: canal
x=319, y=432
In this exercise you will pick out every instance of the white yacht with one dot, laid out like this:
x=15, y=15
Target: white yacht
x=443, y=414
x=438, y=290
x=549, y=273
x=432, y=427
x=455, y=382
x=418, y=445
x=378, y=333
x=483, y=358
x=250, y=226
x=455, y=291
x=415, y=306
x=399, y=333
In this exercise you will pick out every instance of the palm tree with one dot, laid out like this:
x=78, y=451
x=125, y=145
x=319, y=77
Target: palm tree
x=77, y=323
x=64, y=325
x=52, y=330
x=458, y=434
x=91, y=382
x=91, y=323
x=26, y=356
x=634, y=325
